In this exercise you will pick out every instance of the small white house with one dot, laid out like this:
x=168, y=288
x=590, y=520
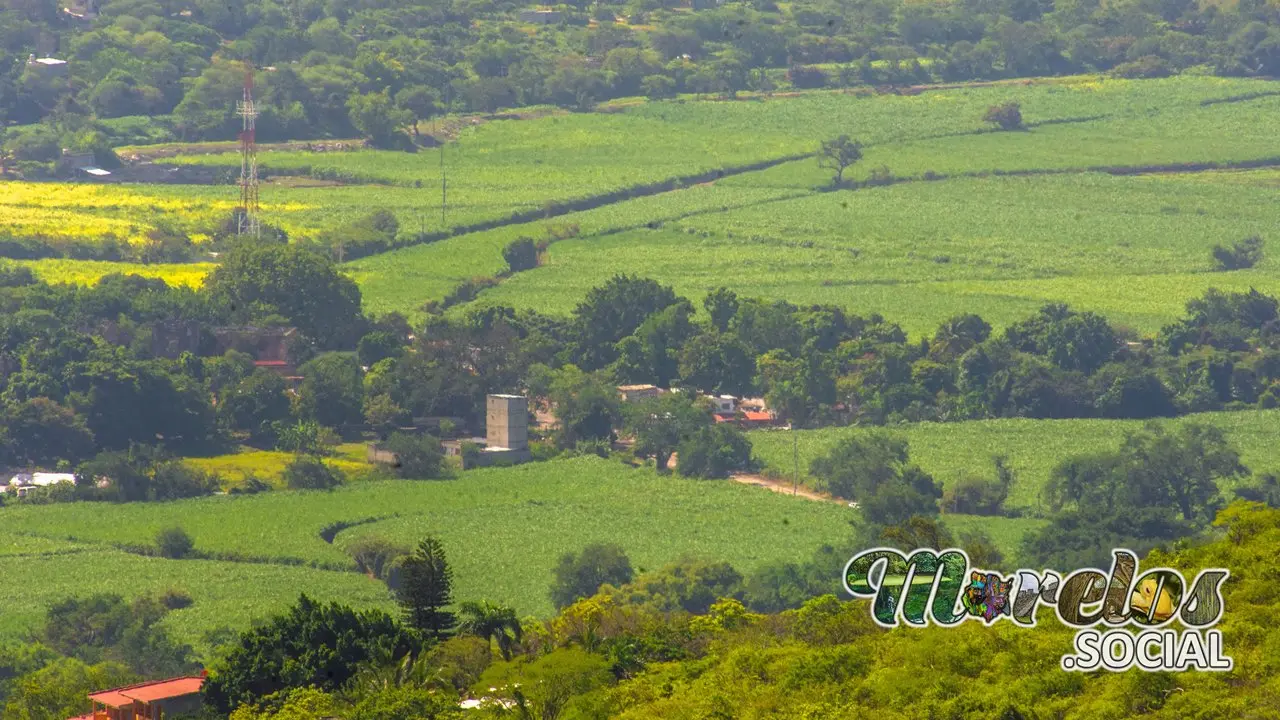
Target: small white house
x=23, y=483
x=47, y=65
x=723, y=404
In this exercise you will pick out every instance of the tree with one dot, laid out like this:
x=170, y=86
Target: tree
x=256, y=281
x=419, y=457
x=332, y=390
x=1007, y=116
x=1242, y=255
x=312, y=644
x=426, y=590
x=658, y=87
x=586, y=407
x=721, y=305
x=174, y=543
x=60, y=688
x=521, y=254
x=717, y=363
x=384, y=415
x=580, y=576
x=489, y=621
x=714, y=452
x=257, y=405
x=838, y=155
x=378, y=119
x=420, y=102
x=875, y=470
x=659, y=424
x=377, y=346
x=40, y=432
x=613, y=311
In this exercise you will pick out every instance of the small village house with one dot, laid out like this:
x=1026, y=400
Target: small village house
x=636, y=393
x=22, y=484
x=47, y=66
x=541, y=17
x=147, y=701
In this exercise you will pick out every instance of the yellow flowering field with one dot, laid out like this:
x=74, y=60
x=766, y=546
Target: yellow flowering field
x=87, y=272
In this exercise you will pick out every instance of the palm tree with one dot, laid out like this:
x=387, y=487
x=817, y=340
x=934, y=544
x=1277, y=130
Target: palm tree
x=488, y=620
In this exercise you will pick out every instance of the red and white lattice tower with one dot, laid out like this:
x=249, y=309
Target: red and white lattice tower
x=248, y=224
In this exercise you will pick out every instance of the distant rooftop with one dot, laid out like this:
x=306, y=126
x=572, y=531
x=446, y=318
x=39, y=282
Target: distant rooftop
x=148, y=692
x=50, y=61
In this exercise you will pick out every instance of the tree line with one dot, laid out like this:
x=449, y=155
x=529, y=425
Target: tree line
x=89, y=370
x=343, y=68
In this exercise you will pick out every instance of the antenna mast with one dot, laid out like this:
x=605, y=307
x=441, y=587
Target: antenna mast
x=248, y=224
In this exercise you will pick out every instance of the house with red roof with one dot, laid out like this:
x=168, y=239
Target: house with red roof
x=147, y=701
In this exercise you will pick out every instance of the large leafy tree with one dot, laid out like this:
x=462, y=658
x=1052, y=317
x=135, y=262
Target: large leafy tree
x=312, y=644
x=256, y=404
x=586, y=407
x=614, y=311
x=40, y=432
x=581, y=575
x=426, y=590
x=875, y=469
x=257, y=281
x=658, y=425
x=332, y=391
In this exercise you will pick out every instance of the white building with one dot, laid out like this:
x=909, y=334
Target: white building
x=23, y=483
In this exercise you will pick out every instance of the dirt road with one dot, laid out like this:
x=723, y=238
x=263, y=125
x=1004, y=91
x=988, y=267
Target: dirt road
x=784, y=488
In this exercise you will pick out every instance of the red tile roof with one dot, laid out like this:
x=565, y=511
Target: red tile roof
x=757, y=416
x=149, y=692
x=270, y=363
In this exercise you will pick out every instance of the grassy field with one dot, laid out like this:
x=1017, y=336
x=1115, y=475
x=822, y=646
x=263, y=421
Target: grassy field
x=1135, y=248
x=503, y=530
x=949, y=451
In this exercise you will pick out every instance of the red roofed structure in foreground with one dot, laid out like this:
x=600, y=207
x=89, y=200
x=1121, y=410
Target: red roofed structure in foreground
x=149, y=701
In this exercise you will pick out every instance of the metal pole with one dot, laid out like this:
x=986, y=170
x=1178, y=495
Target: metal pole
x=795, y=450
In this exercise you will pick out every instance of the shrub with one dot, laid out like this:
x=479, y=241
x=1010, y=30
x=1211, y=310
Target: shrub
x=375, y=556
x=176, y=599
x=1008, y=116
x=1240, y=256
x=174, y=543
x=521, y=254
x=805, y=77
x=417, y=457
x=311, y=473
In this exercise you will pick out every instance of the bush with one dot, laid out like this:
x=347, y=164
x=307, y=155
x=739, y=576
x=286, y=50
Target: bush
x=417, y=457
x=311, y=473
x=1243, y=255
x=579, y=576
x=375, y=556
x=658, y=87
x=714, y=452
x=176, y=599
x=174, y=543
x=805, y=77
x=1008, y=116
x=521, y=254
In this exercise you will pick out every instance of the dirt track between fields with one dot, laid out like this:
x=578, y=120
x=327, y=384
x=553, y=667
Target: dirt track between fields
x=784, y=488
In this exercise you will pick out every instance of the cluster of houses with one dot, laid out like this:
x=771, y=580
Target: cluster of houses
x=749, y=413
